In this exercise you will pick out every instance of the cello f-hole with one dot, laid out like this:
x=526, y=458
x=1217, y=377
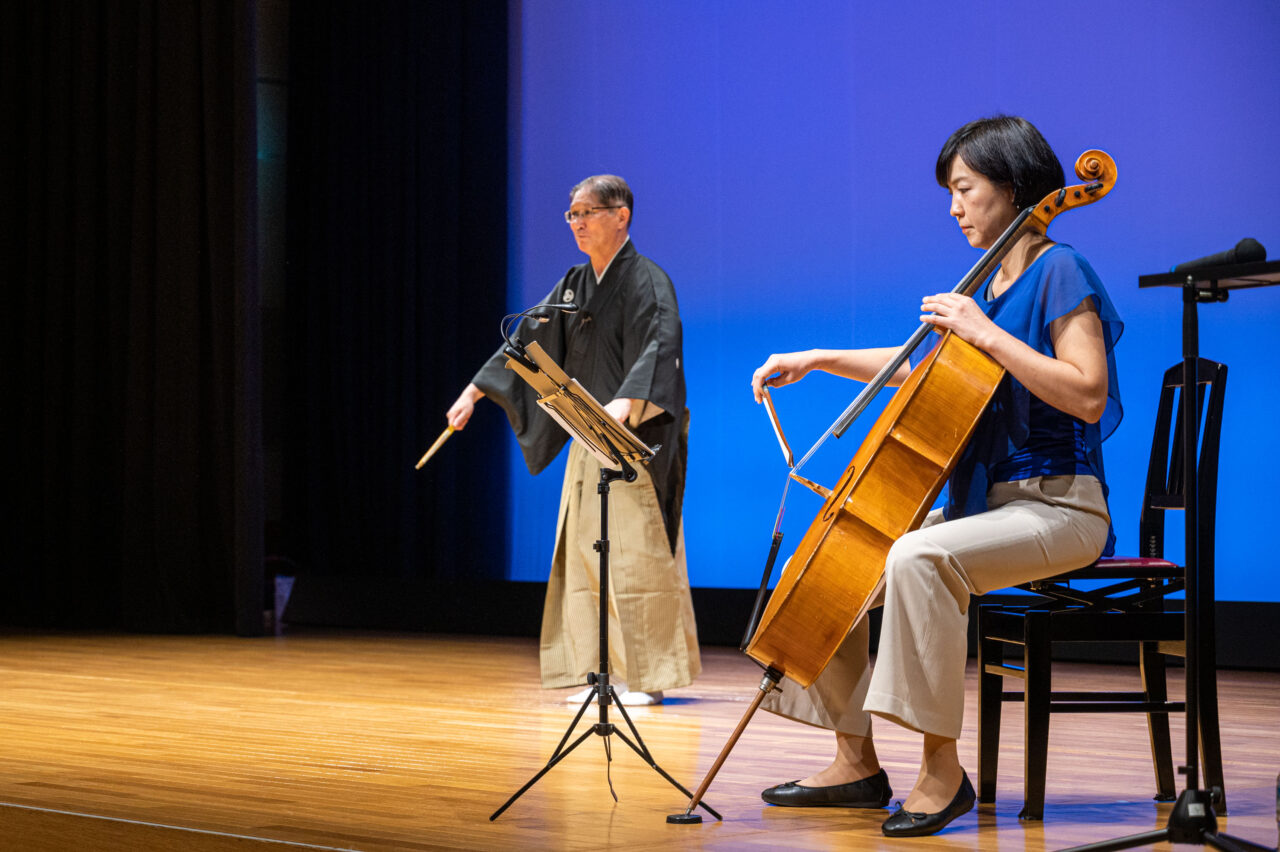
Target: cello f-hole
x=839, y=494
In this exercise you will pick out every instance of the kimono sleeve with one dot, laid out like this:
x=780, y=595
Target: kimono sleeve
x=539, y=436
x=652, y=344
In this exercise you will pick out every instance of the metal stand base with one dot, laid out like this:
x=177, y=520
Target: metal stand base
x=604, y=693
x=1192, y=821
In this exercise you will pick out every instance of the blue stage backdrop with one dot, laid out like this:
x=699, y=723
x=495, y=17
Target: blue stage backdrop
x=782, y=159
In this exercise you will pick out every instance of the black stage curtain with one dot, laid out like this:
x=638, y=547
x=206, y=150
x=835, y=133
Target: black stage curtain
x=131, y=345
x=397, y=246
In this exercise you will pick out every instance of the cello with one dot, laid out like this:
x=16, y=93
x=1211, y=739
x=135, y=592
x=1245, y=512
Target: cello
x=836, y=572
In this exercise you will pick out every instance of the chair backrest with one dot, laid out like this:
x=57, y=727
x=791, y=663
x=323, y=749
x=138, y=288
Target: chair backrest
x=1164, y=470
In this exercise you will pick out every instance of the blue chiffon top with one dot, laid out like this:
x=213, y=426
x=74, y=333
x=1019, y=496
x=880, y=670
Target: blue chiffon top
x=1020, y=436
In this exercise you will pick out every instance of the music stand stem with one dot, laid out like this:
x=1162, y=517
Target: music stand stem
x=1192, y=819
x=604, y=692
x=584, y=418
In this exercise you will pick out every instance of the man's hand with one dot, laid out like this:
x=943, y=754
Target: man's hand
x=619, y=409
x=460, y=412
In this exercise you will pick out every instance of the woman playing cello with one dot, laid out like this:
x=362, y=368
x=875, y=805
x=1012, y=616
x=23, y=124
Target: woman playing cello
x=1026, y=500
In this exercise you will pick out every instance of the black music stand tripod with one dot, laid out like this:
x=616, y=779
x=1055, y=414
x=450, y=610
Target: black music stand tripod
x=1192, y=819
x=614, y=446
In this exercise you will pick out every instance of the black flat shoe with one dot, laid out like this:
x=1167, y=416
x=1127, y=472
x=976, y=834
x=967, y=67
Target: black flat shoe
x=871, y=792
x=905, y=823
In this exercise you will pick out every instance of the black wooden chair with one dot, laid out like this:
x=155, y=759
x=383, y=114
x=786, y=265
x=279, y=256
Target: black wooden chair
x=1116, y=599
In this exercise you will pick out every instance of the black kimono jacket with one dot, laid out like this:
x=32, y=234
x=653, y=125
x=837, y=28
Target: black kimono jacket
x=625, y=341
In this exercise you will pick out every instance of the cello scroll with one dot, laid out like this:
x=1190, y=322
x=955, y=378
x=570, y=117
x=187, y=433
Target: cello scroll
x=1093, y=166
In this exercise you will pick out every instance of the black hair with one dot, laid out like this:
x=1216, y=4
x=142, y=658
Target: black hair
x=1008, y=151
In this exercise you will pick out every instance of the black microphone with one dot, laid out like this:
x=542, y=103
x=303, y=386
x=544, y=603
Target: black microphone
x=567, y=307
x=1247, y=250
x=542, y=313
x=514, y=348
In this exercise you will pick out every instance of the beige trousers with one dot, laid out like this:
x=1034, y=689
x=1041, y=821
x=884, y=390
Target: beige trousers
x=653, y=641
x=1034, y=528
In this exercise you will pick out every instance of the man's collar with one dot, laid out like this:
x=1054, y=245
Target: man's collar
x=605, y=271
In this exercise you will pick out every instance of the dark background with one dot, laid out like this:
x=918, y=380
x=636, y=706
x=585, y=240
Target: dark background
x=231, y=236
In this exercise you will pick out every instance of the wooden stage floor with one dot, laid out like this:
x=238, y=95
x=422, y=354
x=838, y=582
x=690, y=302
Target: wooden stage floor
x=409, y=742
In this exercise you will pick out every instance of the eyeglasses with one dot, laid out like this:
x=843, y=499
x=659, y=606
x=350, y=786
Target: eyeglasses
x=572, y=216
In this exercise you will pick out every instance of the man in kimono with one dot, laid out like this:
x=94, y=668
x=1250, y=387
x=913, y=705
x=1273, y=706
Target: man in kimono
x=623, y=345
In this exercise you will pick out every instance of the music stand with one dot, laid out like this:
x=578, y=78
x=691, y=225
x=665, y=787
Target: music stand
x=614, y=446
x=1193, y=819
